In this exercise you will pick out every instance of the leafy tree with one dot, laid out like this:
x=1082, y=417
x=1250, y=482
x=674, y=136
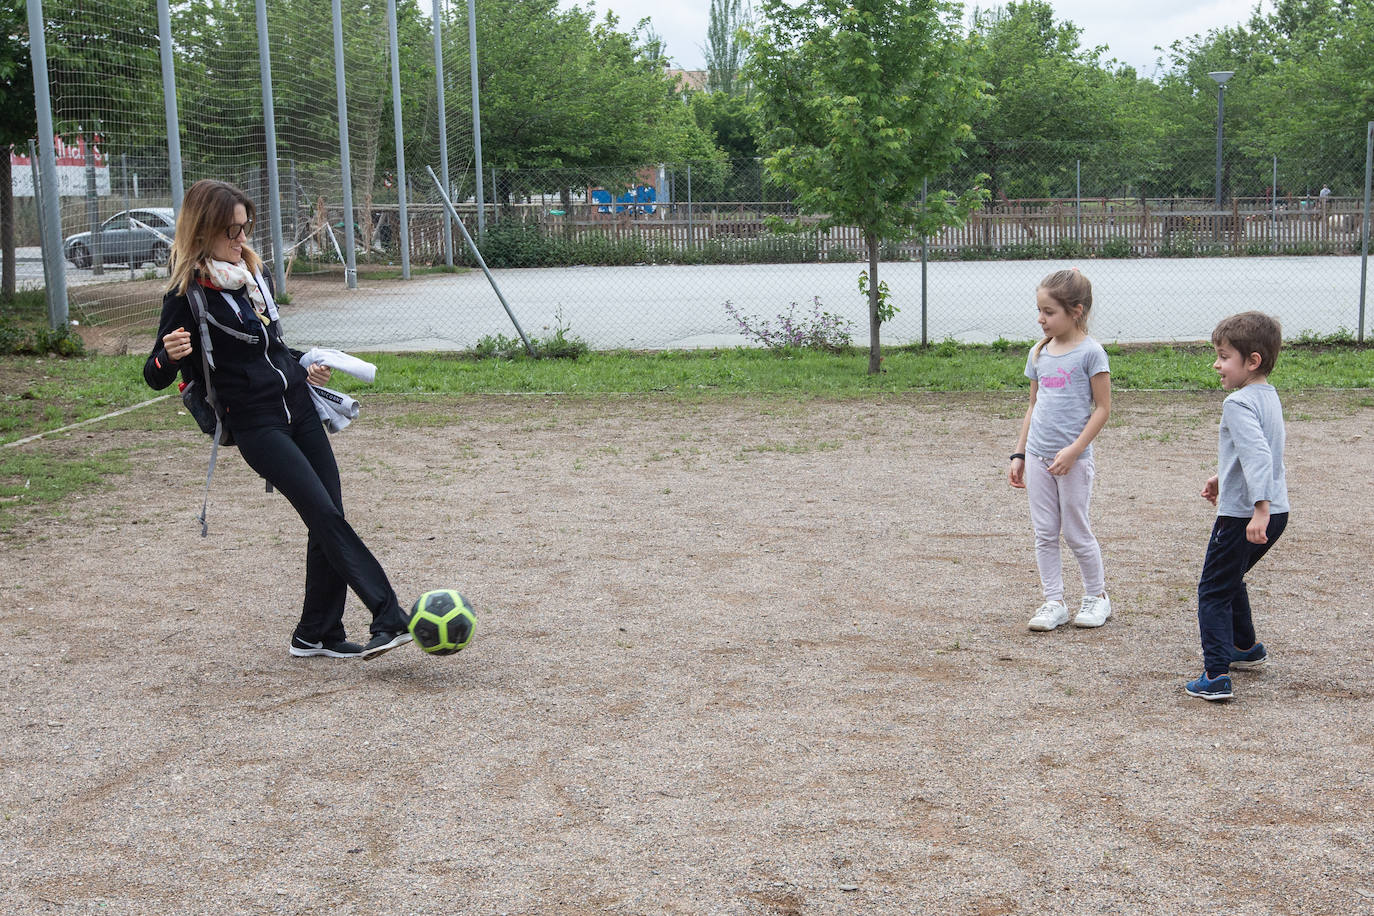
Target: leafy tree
x=104, y=70
x=561, y=91
x=1052, y=102
x=723, y=49
x=1320, y=51
x=17, y=124
x=862, y=101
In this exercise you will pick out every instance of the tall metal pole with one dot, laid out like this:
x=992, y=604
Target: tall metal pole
x=345, y=166
x=443, y=126
x=402, y=189
x=1364, y=243
x=476, y=113
x=269, y=118
x=1221, y=115
x=54, y=265
x=169, y=102
x=1220, y=76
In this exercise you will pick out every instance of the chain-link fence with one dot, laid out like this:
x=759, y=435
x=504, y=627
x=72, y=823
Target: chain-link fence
x=634, y=255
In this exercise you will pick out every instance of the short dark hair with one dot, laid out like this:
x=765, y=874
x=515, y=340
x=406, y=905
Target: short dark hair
x=1251, y=332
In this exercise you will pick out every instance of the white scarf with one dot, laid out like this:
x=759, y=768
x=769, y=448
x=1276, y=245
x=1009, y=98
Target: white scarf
x=234, y=276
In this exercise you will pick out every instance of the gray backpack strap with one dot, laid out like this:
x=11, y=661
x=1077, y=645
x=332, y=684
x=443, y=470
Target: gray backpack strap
x=246, y=338
x=205, y=497
x=196, y=298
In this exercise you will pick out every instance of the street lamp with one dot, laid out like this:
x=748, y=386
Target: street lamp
x=1221, y=76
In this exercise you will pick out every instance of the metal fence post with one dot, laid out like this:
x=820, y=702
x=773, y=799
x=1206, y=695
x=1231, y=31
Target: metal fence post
x=924, y=239
x=169, y=101
x=42, y=218
x=1078, y=199
x=54, y=264
x=269, y=120
x=345, y=167
x=128, y=217
x=443, y=125
x=402, y=190
x=93, y=207
x=1274, y=204
x=1364, y=242
x=690, y=231
x=481, y=262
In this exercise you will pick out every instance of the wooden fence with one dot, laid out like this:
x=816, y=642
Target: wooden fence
x=1026, y=229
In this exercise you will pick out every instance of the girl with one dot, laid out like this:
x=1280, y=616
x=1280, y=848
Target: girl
x=266, y=404
x=1070, y=400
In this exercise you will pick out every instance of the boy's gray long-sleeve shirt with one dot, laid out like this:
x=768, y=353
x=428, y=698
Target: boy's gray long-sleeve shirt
x=1250, y=452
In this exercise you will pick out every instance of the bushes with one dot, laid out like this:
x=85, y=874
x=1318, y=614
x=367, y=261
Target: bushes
x=24, y=328
x=39, y=341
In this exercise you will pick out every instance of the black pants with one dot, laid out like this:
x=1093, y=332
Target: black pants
x=1223, y=603
x=298, y=461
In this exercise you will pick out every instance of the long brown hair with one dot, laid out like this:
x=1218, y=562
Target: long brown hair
x=1068, y=288
x=205, y=212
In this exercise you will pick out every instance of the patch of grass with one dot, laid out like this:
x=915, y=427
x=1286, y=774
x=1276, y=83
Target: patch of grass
x=30, y=479
x=40, y=394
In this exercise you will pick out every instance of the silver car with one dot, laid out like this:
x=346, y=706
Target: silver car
x=129, y=237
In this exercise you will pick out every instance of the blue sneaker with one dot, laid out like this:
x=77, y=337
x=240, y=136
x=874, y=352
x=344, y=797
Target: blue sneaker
x=1216, y=688
x=1252, y=659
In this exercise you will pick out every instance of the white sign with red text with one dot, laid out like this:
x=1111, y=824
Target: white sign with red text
x=72, y=179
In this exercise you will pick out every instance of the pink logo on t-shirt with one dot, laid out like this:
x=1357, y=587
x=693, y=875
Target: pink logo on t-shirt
x=1052, y=381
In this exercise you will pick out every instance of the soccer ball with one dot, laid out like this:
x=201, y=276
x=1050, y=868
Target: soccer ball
x=442, y=622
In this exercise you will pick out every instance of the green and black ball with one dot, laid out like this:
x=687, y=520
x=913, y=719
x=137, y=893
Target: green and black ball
x=442, y=622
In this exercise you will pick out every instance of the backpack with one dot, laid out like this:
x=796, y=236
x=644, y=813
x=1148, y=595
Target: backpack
x=199, y=396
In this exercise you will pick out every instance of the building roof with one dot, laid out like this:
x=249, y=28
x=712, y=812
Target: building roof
x=689, y=79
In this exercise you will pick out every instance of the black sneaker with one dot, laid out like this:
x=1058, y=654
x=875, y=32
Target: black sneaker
x=384, y=641
x=342, y=649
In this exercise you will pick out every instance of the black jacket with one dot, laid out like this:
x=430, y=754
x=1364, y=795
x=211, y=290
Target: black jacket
x=255, y=381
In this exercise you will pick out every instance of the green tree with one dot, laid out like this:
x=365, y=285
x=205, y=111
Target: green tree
x=1052, y=103
x=863, y=100
x=104, y=70
x=724, y=49
x=569, y=95
x=17, y=124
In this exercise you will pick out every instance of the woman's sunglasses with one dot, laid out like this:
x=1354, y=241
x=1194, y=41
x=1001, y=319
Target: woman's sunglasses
x=235, y=230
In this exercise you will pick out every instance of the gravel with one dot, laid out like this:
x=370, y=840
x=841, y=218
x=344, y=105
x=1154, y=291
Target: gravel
x=733, y=657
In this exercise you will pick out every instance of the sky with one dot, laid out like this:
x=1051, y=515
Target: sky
x=1130, y=29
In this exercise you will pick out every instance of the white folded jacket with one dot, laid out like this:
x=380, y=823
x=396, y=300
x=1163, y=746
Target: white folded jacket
x=337, y=359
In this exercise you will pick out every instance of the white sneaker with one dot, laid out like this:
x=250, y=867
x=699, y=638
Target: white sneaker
x=1050, y=615
x=1094, y=611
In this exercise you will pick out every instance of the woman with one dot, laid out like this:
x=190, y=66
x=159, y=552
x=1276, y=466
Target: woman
x=262, y=391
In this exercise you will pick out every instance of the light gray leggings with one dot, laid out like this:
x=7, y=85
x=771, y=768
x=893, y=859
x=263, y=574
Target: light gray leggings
x=1059, y=506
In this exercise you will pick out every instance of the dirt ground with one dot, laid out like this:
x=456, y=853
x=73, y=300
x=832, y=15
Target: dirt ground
x=733, y=657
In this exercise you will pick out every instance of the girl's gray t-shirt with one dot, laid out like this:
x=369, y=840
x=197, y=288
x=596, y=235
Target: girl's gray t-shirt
x=1064, y=395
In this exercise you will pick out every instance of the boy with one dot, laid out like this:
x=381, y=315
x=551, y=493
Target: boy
x=1250, y=491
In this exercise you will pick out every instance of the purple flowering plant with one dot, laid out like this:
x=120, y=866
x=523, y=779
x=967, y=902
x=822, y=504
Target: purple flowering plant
x=820, y=330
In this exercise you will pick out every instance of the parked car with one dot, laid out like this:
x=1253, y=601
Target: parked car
x=147, y=238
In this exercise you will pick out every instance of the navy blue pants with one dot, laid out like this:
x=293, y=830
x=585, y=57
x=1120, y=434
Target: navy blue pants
x=299, y=463
x=1223, y=604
